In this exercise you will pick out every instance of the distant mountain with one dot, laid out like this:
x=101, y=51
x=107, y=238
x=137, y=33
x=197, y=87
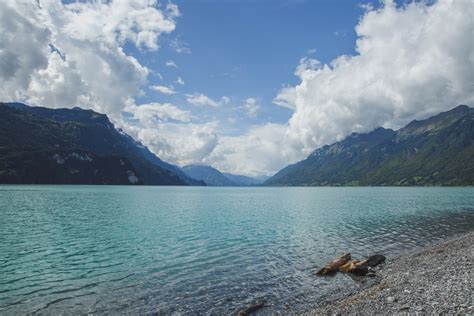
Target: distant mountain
x=208, y=174
x=148, y=155
x=244, y=180
x=42, y=145
x=213, y=177
x=435, y=151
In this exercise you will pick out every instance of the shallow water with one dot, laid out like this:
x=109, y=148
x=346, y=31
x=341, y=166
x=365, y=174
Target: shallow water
x=117, y=249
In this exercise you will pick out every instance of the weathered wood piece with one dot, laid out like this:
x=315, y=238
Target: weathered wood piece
x=356, y=267
x=333, y=266
x=346, y=265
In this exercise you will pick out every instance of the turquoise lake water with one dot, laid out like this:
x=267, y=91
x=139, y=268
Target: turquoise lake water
x=198, y=250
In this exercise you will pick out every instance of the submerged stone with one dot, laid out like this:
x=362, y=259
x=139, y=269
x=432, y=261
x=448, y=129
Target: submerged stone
x=375, y=260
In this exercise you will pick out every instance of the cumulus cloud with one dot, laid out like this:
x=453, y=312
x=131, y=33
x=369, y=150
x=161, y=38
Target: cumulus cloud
x=181, y=143
x=286, y=98
x=173, y=9
x=225, y=100
x=163, y=89
x=251, y=107
x=16, y=69
x=63, y=82
x=152, y=113
x=65, y=55
x=120, y=21
x=202, y=99
x=261, y=150
x=412, y=61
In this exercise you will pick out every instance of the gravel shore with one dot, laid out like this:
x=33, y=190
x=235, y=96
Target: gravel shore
x=436, y=279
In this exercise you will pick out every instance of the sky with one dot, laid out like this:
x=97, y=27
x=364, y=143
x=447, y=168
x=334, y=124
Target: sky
x=245, y=86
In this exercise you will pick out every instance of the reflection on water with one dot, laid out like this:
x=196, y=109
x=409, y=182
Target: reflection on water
x=82, y=249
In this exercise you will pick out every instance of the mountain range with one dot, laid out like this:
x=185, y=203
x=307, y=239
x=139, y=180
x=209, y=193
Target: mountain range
x=75, y=146
x=213, y=177
x=435, y=151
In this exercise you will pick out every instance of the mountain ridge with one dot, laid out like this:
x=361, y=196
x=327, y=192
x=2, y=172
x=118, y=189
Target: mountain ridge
x=210, y=175
x=213, y=177
x=30, y=138
x=242, y=180
x=434, y=151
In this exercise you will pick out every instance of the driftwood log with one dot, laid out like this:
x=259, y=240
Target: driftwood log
x=346, y=265
x=356, y=267
x=333, y=266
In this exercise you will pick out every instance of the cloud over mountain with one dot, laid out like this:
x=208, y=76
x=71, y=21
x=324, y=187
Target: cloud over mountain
x=61, y=55
x=412, y=61
x=152, y=113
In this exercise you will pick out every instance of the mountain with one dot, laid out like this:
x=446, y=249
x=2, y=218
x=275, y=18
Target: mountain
x=76, y=146
x=244, y=181
x=435, y=151
x=148, y=155
x=208, y=174
x=213, y=177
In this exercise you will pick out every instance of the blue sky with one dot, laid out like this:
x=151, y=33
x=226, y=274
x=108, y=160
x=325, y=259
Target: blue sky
x=245, y=49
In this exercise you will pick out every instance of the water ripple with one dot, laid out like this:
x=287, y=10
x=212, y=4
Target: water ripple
x=165, y=250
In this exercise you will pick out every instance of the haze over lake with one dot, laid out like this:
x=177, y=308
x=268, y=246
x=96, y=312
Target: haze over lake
x=96, y=249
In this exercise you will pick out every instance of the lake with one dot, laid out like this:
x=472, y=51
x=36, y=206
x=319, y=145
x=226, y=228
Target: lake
x=203, y=250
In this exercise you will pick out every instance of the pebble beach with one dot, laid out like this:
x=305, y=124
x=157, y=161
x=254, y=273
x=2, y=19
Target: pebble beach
x=432, y=280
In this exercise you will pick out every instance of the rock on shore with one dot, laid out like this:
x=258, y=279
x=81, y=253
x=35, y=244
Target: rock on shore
x=437, y=279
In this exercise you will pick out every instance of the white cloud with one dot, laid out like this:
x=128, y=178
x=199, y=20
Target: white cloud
x=152, y=113
x=63, y=83
x=157, y=74
x=180, y=81
x=305, y=65
x=163, y=89
x=259, y=151
x=21, y=56
x=225, y=100
x=64, y=55
x=251, y=107
x=173, y=10
x=180, y=46
x=286, y=97
x=118, y=21
x=201, y=99
x=171, y=63
x=181, y=143
x=412, y=61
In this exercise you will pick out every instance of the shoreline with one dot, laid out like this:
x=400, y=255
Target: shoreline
x=432, y=279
